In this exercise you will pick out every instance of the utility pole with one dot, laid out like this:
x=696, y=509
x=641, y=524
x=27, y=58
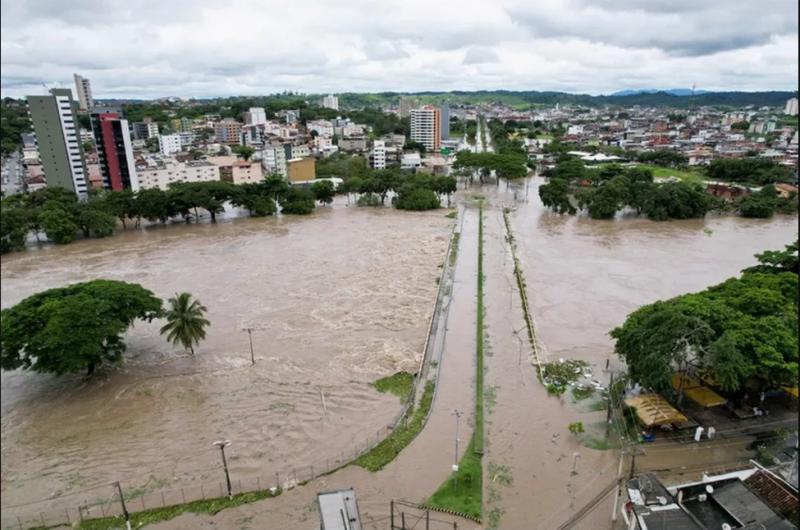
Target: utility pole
x=250, y=336
x=457, y=414
x=124, y=509
x=608, y=409
x=222, y=444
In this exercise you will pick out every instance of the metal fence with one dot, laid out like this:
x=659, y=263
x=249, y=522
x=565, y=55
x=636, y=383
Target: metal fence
x=405, y=515
x=104, y=500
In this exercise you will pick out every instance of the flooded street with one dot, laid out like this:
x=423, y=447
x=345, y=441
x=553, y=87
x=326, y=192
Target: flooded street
x=583, y=277
x=336, y=301
x=528, y=436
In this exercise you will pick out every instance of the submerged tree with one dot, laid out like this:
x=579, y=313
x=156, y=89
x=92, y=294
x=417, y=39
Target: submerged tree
x=741, y=332
x=185, y=321
x=73, y=328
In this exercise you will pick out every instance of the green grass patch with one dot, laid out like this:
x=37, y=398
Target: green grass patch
x=399, y=384
x=479, y=341
x=454, y=249
x=407, y=430
x=593, y=442
x=686, y=175
x=463, y=491
x=665, y=172
x=208, y=506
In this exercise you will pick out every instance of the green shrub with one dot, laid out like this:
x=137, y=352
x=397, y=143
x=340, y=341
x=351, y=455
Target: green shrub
x=418, y=199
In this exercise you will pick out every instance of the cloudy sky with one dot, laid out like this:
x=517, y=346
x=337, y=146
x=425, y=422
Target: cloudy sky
x=156, y=48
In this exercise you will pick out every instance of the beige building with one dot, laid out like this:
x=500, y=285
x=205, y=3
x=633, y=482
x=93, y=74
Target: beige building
x=354, y=143
x=95, y=174
x=426, y=123
x=301, y=169
x=163, y=175
x=237, y=171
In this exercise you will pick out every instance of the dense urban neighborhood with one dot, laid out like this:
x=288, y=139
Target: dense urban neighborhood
x=166, y=152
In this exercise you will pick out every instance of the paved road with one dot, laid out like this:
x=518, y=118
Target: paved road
x=422, y=466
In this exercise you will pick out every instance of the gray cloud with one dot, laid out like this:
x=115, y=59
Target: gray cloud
x=154, y=48
x=480, y=56
x=682, y=27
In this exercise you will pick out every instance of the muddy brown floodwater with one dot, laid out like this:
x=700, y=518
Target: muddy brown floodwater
x=585, y=276
x=336, y=300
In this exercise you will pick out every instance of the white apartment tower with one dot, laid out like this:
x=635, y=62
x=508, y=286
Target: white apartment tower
x=791, y=107
x=379, y=154
x=330, y=102
x=169, y=144
x=426, y=127
x=152, y=129
x=255, y=116
x=83, y=89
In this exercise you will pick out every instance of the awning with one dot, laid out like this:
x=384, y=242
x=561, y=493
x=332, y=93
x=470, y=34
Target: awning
x=702, y=395
x=791, y=390
x=653, y=409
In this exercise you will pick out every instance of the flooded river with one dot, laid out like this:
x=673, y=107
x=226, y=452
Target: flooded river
x=336, y=300
x=585, y=276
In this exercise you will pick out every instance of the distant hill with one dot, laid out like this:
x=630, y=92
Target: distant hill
x=672, y=91
x=528, y=99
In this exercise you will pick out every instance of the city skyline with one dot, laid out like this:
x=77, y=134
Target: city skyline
x=153, y=50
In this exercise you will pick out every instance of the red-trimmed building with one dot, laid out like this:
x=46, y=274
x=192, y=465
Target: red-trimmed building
x=114, y=150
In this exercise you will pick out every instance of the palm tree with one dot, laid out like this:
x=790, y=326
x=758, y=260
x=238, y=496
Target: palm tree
x=185, y=322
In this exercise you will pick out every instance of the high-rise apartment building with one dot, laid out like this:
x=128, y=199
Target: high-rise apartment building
x=274, y=160
x=378, y=155
x=330, y=102
x=145, y=129
x=445, y=121
x=791, y=107
x=404, y=106
x=114, y=152
x=55, y=124
x=255, y=116
x=83, y=89
x=426, y=127
x=228, y=132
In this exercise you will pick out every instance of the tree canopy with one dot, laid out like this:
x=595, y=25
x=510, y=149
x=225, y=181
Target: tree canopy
x=604, y=191
x=754, y=171
x=73, y=328
x=742, y=332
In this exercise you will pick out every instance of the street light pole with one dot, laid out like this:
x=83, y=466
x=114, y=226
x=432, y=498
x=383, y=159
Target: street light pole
x=457, y=414
x=124, y=509
x=250, y=335
x=222, y=444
